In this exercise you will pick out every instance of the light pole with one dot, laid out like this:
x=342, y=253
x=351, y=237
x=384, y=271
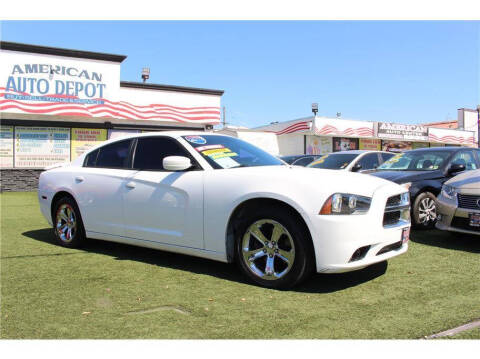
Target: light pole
x=145, y=73
x=315, y=109
x=478, y=126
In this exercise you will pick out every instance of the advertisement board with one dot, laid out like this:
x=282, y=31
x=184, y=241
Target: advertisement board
x=319, y=145
x=6, y=146
x=38, y=147
x=396, y=146
x=370, y=144
x=85, y=138
x=399, y=131
x=345, y=144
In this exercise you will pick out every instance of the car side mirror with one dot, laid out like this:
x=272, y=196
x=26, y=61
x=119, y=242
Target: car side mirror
x=356, y=167
x=176, y=163
x=456, y=167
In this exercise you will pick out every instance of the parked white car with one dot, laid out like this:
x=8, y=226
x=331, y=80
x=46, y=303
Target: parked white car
x=219, y=197
x=352, y=161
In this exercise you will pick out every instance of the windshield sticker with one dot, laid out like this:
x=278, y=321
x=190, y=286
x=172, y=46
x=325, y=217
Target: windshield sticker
x=208, y=147
x=199, y=140
x=227, y=162
x=320, y=160
x=219, y=153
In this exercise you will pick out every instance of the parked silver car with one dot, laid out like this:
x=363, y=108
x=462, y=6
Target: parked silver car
x=458, y=206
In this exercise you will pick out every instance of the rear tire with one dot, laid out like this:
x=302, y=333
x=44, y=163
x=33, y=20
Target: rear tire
x=425, y=211
x=67, y=223
x=273, y=249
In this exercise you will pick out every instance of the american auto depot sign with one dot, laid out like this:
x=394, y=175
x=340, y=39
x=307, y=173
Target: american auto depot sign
x=56, y=85
x=398, y=131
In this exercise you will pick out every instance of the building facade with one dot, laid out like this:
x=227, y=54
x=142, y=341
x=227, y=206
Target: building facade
x=57, y=103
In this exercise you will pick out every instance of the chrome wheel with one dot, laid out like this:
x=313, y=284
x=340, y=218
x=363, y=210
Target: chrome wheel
x=427, y=211
x=268, y=249
x=66, y=223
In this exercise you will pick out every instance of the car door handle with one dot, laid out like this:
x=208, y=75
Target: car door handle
x=79, y=179
x=130, y=185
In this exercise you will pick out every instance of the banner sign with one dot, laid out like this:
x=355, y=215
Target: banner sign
x=396, y=146
x=457, y=137
x=370, y=144
x=85, y=138
x=39, y=147
x=398, y=131
x=345, y=144
x=319, y=145
x=339, y=127
x=6, y=146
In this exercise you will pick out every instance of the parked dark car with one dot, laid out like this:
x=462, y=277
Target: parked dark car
x=300, y=160
x=423, y=172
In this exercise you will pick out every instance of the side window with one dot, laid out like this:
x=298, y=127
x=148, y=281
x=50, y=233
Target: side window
x=386, y=156
x=466, y=158
x=91, y=159
x=151, y=151
x=114, y=155
x=369, y=161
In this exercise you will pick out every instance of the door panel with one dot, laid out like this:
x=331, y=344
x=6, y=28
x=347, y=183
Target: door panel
x=99, y=193
x=165, y=207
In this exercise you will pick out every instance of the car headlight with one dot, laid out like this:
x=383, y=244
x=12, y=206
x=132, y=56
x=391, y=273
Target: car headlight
x=449, y=191
x=406, y=185
x=344, y=203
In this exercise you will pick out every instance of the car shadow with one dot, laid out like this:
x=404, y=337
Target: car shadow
x=317, y=283
x=443, y=239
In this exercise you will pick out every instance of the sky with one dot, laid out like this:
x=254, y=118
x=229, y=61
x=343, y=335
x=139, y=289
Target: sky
x=386, y=71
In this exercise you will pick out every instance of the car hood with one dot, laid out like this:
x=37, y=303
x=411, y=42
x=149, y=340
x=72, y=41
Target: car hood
x=314, y=178
x=466, y=180
x=407, y=176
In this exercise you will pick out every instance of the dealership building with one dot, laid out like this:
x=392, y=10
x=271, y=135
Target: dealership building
x=57, y=103
x=320, y=135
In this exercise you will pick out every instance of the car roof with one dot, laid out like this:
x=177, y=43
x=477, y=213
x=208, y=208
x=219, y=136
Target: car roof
x=358, y=152
x=436, y=149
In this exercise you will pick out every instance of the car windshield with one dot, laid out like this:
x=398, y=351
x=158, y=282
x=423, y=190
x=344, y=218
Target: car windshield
x=416, y=161
x=334, y=161
x=229, y=152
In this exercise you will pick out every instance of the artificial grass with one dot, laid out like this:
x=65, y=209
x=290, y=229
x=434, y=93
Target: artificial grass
x=109, y=290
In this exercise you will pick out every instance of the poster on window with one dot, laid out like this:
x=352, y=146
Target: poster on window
x=85, y=138
x=6, y=146
x=319, y=145
x=370, y=144
x=396, y=146
x=345, y=144
x=120, y=133
x=39, y=147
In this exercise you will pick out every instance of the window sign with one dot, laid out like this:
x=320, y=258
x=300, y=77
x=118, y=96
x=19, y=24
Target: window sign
x=39, y=147
x=6, y=146
x=85, y=138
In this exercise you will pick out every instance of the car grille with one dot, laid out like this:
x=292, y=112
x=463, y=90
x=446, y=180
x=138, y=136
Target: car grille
x=468, y=201
x=397, y=210
x=463, y=223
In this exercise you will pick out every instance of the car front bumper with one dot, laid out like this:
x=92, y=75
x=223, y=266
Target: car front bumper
x=338, y=237
x=454, y=219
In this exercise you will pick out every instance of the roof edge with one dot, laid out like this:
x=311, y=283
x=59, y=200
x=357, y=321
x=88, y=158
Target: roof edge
x=149, y=86
x=47, y=50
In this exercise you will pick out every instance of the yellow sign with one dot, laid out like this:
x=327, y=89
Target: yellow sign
x=370, y=144
x=85, y=138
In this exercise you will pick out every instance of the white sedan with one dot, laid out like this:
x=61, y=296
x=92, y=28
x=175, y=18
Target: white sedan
x=222, y=198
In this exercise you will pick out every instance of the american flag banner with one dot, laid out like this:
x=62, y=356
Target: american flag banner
x=19, y=102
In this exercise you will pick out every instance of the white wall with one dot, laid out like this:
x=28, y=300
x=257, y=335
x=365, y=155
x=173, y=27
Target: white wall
x=291, y=144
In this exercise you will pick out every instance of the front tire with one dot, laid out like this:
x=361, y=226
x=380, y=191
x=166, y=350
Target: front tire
x=67, y=223
x=273, y=249
x=425, y=211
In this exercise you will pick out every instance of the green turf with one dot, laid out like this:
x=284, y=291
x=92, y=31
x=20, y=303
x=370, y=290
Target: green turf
x=99, y=292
